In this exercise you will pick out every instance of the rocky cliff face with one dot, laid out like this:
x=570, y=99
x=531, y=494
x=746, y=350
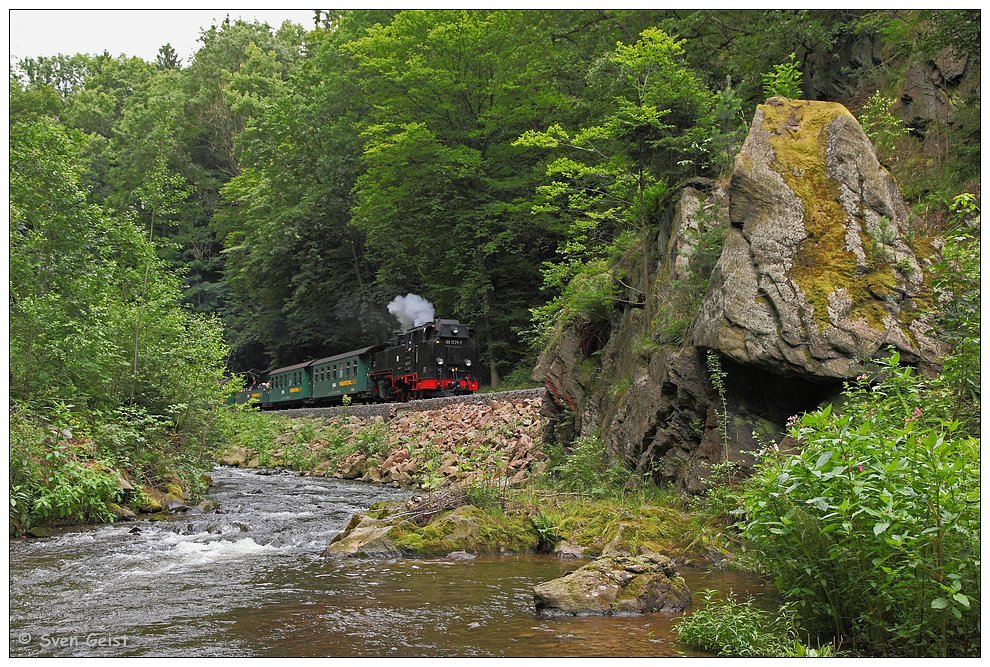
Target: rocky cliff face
x=816, y=276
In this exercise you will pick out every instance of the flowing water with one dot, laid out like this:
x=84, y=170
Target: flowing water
x=250, y=581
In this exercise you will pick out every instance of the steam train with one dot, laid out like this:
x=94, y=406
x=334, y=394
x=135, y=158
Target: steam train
x=438, y=358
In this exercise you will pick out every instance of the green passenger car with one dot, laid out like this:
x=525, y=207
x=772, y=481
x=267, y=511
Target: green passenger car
x=251, y=394
x=289, y=385
x=342, y=374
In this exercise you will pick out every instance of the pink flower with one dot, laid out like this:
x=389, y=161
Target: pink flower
x=861, y=378
x=792, y=420
x=917, y=413
x=860, y=468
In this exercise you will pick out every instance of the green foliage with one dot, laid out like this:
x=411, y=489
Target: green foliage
x=872, y=529
x=483, y=496
x=731, y=123
x=585, y=468
x=783, y=80
x=730, y=628
x=588, y=296
x=548, y=526
x=606, y=180
x=371, y=440
x=451, y=89
x=716, y=375
x=882, y=127
x=683, y=295
x=66, y=467
x=81, y=279
x=956, y=278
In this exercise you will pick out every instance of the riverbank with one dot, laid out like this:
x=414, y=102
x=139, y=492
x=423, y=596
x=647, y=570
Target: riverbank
x=485, y=484
x=461, y=443
x=250, y=582
x=66, y=471
x=538, y=520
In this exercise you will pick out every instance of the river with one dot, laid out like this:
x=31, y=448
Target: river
x=250, y=581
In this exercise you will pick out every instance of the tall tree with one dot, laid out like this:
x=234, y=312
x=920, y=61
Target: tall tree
x=440, y=195
x=611, y=176
x=167, y=58
x=299, y=284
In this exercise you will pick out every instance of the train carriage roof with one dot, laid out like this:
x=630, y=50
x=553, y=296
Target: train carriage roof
x=345, y=355
x=294, y=367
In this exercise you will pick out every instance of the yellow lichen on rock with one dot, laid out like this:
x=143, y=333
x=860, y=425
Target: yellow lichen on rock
x=824, y=264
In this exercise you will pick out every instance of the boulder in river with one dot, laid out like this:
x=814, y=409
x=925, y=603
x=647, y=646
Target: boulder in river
x=568, y=551
x=236, y=456
x=615, y=586
x=120, y=512
x=363, y=537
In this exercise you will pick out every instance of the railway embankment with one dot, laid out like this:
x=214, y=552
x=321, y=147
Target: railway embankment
x=462, y=440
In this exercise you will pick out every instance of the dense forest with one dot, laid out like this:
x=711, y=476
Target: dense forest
x=295, y=178
x=178, y=228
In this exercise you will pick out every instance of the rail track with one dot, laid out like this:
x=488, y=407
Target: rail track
x=388, y=411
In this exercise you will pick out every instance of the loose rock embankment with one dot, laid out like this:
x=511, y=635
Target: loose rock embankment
x=492, y=438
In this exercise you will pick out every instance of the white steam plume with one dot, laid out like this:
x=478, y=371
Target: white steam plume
x=411, y=310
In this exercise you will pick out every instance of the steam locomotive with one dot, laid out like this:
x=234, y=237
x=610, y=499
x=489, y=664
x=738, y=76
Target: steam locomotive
x=439, y=358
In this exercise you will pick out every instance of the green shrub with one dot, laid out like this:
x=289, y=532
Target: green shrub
x=372, y=440
x=483, y=496
x=879, y=123
x=588, y=293
x=956, y=278
x=737, y=629
x=872, y=530
x=548, y=526
x=54, y=478
x=586, y=468
x=783, y=80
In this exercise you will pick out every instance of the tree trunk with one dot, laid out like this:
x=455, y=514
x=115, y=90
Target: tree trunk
x=489, y=341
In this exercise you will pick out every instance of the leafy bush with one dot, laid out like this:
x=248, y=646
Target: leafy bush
x=872, y=529
x=55, y=478
x=548, y=525
x=957, y=281
x=737, y=629
x=95, y=315
x=783, y=80
x=880, y=125
x=585, y=468
x=372, y=440
x=588, y=292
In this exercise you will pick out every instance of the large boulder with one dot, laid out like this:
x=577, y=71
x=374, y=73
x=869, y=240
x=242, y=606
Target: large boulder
x=235, y=456
x=816, y=274
x=615, y=585
x=364, y=537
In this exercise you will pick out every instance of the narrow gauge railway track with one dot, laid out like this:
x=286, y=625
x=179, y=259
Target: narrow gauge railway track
x=388, y=411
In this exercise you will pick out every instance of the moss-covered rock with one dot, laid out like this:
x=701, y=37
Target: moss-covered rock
x=149, y=501
x=235, y=456
x=470, y=529
x=816, y=274
x=615, y=585
x=363, y=537
x=121, y=513
x=174, y=489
